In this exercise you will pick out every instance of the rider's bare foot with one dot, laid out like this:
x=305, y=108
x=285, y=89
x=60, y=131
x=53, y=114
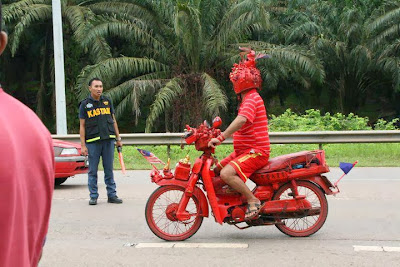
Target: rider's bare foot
x=253, y=209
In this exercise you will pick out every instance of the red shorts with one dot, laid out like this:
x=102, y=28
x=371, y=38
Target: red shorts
x=246, y=163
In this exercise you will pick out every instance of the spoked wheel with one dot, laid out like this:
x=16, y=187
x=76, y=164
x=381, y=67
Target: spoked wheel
x=312, y=220
x=161, y=211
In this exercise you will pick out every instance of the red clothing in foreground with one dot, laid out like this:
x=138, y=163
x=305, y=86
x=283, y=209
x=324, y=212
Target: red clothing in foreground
x=26, y=183
x=254, y=133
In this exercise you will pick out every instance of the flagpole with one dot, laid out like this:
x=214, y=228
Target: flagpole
x=336, y=183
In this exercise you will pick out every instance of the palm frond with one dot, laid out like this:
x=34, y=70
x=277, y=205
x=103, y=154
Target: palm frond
x=391, y=50
x=163, y=101
x=392, y=65
x=211, y=11
x=138, y=9
x=299, y=32
x=126, y=30
x=132, y=90
x=214, y=97
x=17, y=9
x=294, y=58
x=35, y=13
x=81, y=19
x=188, y=29
x=113, y=69
x=385, y=20
x=390, y=33
x=238, y=20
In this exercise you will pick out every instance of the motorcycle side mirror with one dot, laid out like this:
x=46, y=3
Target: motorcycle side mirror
x=217, y=122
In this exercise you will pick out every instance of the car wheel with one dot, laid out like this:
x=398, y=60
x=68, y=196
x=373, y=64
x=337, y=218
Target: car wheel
x=59, y=181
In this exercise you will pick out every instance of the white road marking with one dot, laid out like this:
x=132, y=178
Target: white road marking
x=211, y=245
x=155, y=245
x=368, y=248
x=191, y=245
x=391, y=249
x=376, y=248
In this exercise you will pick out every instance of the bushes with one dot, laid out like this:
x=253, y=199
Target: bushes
x=312, y=120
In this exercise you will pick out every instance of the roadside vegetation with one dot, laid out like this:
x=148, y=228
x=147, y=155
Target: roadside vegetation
x=165, y=63
x=378, y=155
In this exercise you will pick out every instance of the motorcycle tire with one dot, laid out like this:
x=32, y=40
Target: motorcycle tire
x=308, y=225
x=160, y=214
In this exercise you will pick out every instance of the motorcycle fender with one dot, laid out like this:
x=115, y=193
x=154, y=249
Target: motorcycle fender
x=322, y=182
x=197, y=192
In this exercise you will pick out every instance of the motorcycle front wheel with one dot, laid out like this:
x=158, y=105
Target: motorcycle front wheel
x=310, y=223
x=161, y=210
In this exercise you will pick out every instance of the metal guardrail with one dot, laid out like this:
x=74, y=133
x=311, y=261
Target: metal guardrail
x=323, y=137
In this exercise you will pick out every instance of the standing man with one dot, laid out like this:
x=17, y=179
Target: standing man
x=98, y=132
x=26, y=180
x=250, y=134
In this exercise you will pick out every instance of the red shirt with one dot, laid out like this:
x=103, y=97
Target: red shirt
x=26, y=183
x=254, y=133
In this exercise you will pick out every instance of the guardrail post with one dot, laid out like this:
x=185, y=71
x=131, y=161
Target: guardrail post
x=169, y=151
x=320, y=146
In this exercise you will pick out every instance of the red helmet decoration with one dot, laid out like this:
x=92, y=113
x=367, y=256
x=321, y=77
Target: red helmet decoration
x=245, y=75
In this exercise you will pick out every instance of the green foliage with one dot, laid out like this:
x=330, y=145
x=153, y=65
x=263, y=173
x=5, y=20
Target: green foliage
x=381, y=124
x=332, y=55
x=312, y=120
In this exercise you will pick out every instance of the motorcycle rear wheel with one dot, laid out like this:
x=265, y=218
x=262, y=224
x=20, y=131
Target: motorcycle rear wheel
x=161, y=210
x=308, y=225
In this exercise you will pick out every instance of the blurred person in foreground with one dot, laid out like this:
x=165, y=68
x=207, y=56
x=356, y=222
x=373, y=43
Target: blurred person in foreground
x=26, y=180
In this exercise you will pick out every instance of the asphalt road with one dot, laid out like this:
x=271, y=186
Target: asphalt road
x=365, y=214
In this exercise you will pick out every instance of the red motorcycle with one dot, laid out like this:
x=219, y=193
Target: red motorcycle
x=292, y=187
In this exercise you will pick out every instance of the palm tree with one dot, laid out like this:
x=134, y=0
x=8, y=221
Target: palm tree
x=186, y=50
x=32, y=21
x=293, y=68
x=182, y=44
x=385, y=39
x=340, y=39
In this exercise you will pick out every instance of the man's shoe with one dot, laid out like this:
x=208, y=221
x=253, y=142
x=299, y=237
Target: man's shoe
x=115, y=200
x=93, y=201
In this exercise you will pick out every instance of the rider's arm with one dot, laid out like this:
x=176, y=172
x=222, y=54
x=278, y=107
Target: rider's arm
x=235, y=125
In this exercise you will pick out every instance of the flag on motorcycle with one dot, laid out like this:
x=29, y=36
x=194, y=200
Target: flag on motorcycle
x=150, y=156
x=346, y=167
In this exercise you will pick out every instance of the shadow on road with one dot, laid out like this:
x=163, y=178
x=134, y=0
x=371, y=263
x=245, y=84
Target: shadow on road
x=69, y=186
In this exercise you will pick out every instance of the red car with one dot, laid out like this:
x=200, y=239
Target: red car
x=68, y=160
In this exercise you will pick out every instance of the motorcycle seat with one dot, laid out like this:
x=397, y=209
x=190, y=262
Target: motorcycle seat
x=286, y=161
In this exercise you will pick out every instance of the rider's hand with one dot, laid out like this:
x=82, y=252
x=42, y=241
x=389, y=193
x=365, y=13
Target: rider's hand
x=84, y=151
x=217, y=171
x=214, y=142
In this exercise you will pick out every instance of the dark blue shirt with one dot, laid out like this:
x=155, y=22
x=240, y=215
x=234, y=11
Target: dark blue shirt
x=82, y=108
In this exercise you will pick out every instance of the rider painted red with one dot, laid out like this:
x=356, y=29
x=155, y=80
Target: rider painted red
x=292, y=187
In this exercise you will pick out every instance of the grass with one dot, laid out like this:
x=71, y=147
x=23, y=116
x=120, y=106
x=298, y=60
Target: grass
x=368, y=155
